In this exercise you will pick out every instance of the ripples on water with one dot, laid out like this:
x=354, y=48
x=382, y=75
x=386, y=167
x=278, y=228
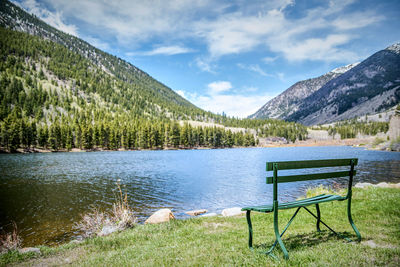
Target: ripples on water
x=46, y=193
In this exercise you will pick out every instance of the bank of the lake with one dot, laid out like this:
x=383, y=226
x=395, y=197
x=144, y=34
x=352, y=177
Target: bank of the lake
x=222, y=241
x=46, y=193
x=368, y=142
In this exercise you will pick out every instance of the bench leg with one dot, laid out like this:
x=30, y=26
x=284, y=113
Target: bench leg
x=250, y=229
x=277, y=234
x=319, y=217
x=351, y=220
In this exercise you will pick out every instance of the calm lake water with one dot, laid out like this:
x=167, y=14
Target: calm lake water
x=46, y=193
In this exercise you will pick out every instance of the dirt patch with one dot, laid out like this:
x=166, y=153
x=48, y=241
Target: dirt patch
x=372, y=244
x=59, y=259
x=216, y=227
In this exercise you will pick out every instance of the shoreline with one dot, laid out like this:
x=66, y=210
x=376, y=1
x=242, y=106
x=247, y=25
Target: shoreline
x=140, y=243
x=356, y=142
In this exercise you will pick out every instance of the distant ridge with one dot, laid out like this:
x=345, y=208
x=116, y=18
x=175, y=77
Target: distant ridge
x=354, y=90
x=289, y=101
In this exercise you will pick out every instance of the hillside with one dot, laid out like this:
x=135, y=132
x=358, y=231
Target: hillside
x=58, y=93
x=369, y=87
x=290, y=100
x=154, y=94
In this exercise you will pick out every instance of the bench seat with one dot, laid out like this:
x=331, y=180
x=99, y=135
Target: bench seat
x=298, y=203
x=316, y=170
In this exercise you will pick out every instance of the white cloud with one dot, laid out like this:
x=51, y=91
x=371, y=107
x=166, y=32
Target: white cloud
x=181, y=93
x=269, y=59
x=168, y=50
x=324, y=49
x=235, y=33
x=55, y=19
x=215, y=88
x=225, y=27
x=205, y=64
x=255, y=68
x=356, y=20
x=220, y=98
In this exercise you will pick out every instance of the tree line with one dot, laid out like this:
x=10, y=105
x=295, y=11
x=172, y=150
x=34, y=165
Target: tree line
x=17, y=131
x=54, y=98
x=350, y=128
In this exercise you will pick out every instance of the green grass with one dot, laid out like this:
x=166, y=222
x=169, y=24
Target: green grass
x=220, y=241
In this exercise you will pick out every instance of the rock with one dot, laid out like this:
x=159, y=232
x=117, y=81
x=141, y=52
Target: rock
x=28, y=250
x=212, y=214
x=196, y=212
x=232, y=212
x=108, y=229
x=395, y=185
x=383, y=185
x=160, y=216
x=395, y=147
x=76, y=241
x=363, y=185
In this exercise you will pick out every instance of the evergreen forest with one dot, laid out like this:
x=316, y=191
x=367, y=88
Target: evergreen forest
x=54, y=98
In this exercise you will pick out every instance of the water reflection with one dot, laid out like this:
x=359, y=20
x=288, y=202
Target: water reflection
x=46, y=193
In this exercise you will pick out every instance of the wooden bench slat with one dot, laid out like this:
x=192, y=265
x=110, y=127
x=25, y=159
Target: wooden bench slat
x=311, y=176
x=289, y=165
x=297, y=203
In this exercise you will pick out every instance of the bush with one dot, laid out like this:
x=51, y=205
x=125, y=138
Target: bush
x=10, y=241
x=96, y=221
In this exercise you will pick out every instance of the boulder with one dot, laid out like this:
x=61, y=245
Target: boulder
x=160, y=216
x=28, y=250
x=196, y=212
x=395, y=185
x=232, y=212
x=108, y=229
x=363, y=185
x=383, y=185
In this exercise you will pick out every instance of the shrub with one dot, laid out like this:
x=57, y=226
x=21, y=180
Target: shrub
x=121, y=217
x=10, y=241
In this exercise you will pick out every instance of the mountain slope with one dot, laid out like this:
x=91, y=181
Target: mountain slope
x=370, y=87
x=59, y=93
x=289, y=101
x=13, y=17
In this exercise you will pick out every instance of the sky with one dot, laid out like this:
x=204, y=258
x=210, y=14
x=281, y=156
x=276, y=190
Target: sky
x=228, y=56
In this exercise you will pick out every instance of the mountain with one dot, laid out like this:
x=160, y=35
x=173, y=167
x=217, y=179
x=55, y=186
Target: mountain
x=369, y=87
x=15, y=18
x=289, y=101
x=58, y=92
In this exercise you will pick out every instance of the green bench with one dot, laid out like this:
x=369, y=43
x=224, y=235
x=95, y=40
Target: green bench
x=321, y=173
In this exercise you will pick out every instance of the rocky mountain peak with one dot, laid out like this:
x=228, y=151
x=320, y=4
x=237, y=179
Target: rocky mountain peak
x=394, y=48
x=344, y=69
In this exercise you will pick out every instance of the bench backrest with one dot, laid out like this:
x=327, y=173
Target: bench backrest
x=290, y=165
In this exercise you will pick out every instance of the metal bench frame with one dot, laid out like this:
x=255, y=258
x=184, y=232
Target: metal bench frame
x=275, y=179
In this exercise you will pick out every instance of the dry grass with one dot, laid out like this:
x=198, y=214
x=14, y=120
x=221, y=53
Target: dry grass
x=122, y=214
x=10, y=241
x=121, y=217
x=92, y=223
x=334, y=189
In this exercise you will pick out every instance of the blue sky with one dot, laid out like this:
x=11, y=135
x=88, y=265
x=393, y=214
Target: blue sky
x=230, y=56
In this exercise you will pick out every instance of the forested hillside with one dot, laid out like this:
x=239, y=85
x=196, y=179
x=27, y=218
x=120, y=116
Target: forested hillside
x=54, y=98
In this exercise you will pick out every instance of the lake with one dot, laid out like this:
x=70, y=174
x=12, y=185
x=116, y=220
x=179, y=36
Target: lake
x=46, y=193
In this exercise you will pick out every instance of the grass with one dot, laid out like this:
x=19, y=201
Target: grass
x=222, y=241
